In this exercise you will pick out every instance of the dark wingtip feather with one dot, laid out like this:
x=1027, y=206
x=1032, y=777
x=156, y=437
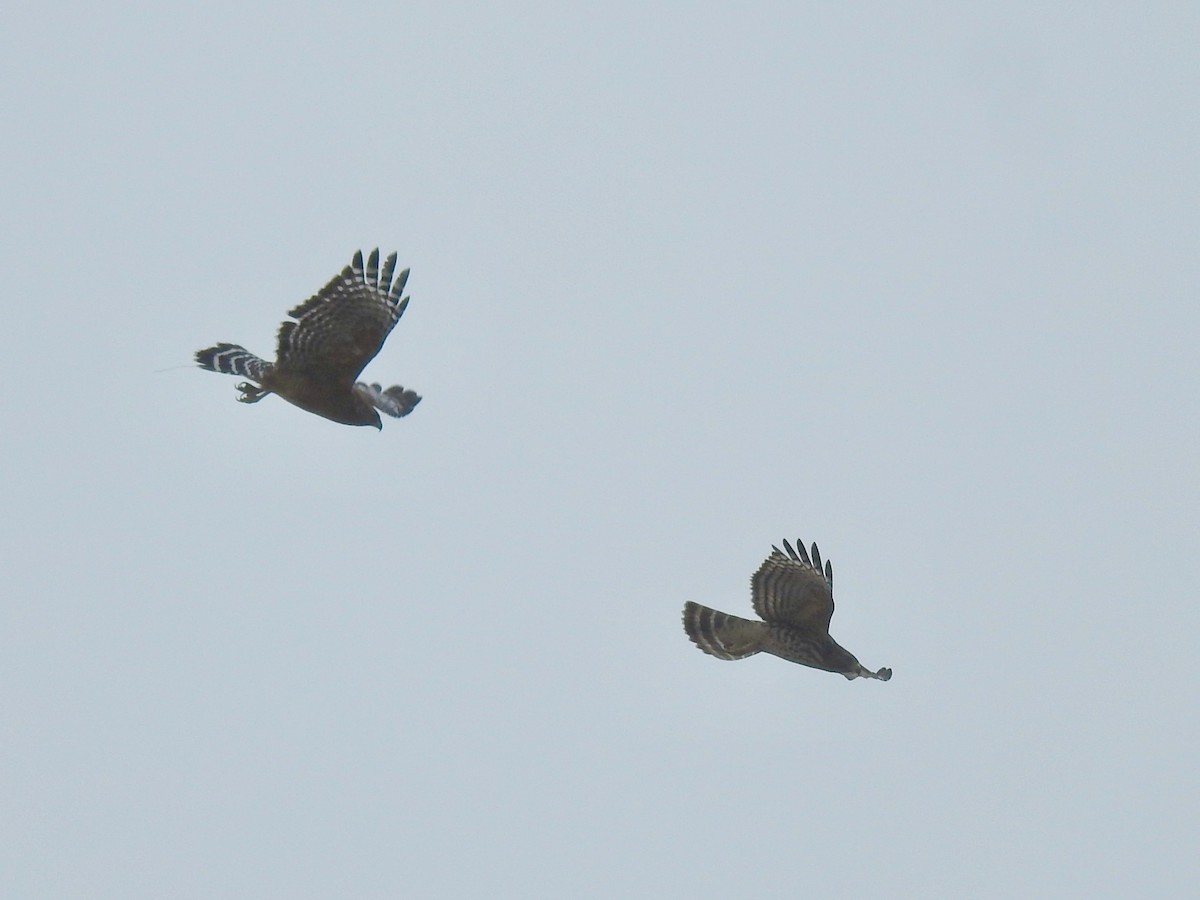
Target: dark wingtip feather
x=373, y=268
x=385, y=279
x=401, y=280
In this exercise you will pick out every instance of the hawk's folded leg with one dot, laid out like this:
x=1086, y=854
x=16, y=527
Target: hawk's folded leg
x=251, y=393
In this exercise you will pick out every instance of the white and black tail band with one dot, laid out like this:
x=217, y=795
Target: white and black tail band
x=232, y=359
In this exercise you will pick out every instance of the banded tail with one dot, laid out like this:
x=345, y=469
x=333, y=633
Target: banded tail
x=232, y=359
x=722, y=635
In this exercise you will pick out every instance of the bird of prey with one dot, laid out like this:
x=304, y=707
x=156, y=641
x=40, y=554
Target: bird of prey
x=335, y=334
x=794, y=598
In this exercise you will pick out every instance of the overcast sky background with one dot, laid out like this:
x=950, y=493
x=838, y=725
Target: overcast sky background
x=918, y=285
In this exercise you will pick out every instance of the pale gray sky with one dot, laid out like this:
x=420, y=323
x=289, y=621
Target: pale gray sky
x=918, y=285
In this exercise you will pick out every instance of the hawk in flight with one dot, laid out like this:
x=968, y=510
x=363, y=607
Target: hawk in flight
x=795, y=600
x=336, y=332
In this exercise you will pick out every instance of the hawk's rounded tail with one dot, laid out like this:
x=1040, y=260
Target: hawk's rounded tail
x=232, y=359
x=722, y=635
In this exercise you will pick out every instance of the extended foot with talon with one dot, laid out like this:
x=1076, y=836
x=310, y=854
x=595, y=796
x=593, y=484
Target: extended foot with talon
x=251, y=393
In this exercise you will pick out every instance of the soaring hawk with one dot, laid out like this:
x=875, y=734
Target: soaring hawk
x=795, y=600
x=336, y=332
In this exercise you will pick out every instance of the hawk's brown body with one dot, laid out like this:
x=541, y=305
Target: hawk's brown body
x=794, y=597
x=335, y=334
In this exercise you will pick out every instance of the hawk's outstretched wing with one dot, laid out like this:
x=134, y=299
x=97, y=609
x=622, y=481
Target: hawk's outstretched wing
x=340, y=328
x=792, y=590
x=394, y=401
